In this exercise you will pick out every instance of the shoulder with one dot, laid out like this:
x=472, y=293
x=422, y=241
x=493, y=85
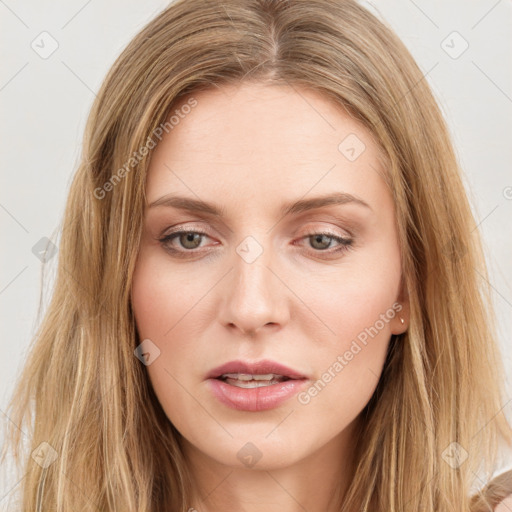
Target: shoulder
x=504, y=505
x=495, y=496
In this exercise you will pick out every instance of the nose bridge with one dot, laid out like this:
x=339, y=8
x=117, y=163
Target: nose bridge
x=255, y=296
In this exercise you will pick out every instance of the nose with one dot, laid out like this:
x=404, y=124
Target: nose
x=255, y=295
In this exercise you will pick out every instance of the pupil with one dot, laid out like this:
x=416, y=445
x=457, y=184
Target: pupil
x=318, y=238
x=189, y=238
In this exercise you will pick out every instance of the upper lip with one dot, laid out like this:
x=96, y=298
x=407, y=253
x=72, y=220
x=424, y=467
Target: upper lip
x=262, y=367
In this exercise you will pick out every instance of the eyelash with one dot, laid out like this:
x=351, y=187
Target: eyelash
x=345, y=243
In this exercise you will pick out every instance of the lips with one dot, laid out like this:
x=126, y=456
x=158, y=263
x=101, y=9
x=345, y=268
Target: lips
x=254, y=386
x=263, y=367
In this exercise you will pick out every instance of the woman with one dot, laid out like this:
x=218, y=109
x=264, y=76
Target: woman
x=268, y=292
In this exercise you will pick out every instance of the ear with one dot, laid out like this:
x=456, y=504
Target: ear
x=400, y=322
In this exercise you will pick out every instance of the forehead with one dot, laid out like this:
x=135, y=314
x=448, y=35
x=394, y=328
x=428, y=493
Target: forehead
x=276, y=116
x=267, y=142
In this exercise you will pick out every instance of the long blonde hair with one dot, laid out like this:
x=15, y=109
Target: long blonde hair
x=101, y=438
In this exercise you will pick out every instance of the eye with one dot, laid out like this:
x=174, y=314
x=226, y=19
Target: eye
x=189, y=241
x=322, y=242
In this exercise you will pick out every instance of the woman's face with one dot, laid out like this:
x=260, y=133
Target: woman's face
x=267, y=272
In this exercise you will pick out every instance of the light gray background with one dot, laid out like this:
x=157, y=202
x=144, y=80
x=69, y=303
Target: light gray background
x=45, y=102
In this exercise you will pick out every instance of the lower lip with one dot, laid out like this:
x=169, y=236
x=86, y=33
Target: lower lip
x=255, y=399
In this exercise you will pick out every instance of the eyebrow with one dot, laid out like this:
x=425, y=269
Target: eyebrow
x=302, y=205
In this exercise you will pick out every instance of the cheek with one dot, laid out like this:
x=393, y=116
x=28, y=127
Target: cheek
x=163, y=305
x=357, y=304
x=162, y=298
x=354, y=298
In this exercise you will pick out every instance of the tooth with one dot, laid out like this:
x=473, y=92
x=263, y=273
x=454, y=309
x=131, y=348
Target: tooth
x=268, y=376
x=248, y=376
x=239, y=376
x=251, y=384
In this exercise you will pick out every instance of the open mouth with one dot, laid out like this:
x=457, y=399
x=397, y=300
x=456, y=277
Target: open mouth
x=247, y=380
x=255, y=385
x=255, y=392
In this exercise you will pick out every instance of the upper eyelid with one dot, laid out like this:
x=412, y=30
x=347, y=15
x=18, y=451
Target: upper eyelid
x=193, y=229
x=182, y=229
x=179, y=230
x=348, y=226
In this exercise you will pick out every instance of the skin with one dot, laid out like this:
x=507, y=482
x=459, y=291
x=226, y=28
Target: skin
x=249, y=149
x=505, y=505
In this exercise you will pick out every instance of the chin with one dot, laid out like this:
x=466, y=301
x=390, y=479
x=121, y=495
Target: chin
x=253, y=448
